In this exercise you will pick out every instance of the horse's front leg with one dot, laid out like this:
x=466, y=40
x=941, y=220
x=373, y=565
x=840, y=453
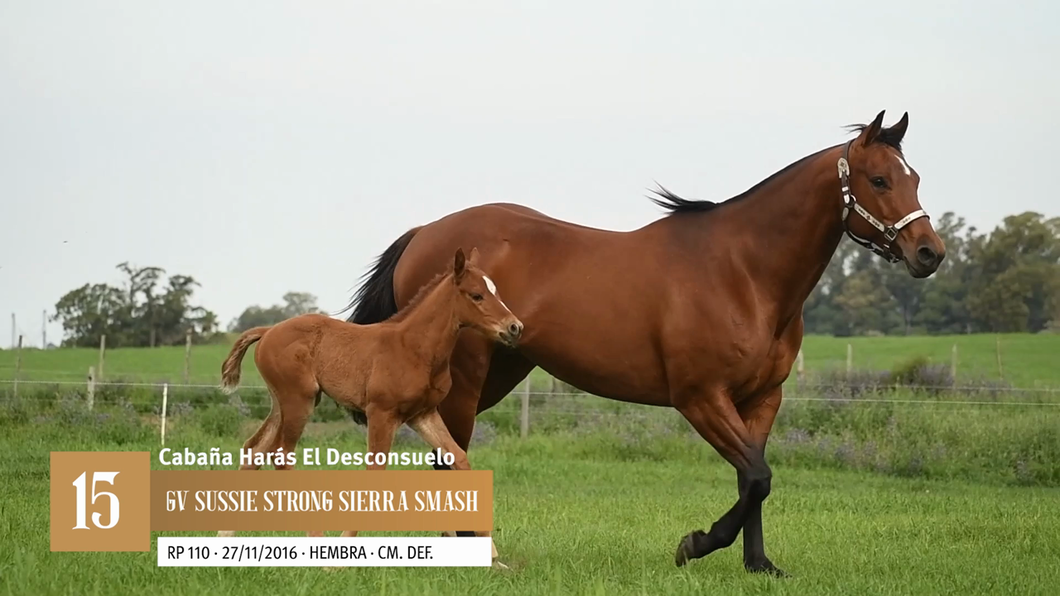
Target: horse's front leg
x=382, y=426
x=431, y=428
x=716, y=419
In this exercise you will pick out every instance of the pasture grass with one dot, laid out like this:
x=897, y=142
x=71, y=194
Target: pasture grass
x=1028, y=360
x=593, y=513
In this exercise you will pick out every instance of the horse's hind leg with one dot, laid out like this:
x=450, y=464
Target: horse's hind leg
x=715, y=418
x=263, y=440
x=430, y=426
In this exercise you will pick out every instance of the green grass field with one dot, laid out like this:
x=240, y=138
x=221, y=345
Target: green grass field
x=589, y=515
x=886, y=490
x=1026, y=360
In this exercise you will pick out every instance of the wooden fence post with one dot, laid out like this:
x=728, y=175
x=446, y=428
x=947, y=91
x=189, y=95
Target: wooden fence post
x=165, y=402
x=102, y=351
x=91, y=387
x=1000, y=369
x=187, y=356
x=524, y=417
x=850, y=358
x=799, y=367
x=953, y=365
x=18, y=366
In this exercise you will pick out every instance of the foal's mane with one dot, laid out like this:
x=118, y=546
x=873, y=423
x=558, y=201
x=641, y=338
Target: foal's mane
x=418, y=298
x=675, y=204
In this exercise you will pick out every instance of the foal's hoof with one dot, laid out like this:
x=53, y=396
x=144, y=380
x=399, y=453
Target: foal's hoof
x=686, y=551
x=498, y=566
x=766, y=568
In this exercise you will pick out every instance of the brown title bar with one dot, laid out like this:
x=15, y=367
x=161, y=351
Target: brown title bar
x=310, y=500
x=112, y=501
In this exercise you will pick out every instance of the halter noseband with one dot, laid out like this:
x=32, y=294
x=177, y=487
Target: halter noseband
x=849, y=202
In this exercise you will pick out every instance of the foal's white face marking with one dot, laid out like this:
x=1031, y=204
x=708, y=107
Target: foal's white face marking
x=493, y=290
x=905, y=166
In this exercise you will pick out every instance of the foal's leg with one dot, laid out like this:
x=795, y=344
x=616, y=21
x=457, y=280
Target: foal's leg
x=715, y=418
x=382, y=425
x=433, y=430
x=482, y=377
x=264, y=440
x=758, y=416
x=295, y=411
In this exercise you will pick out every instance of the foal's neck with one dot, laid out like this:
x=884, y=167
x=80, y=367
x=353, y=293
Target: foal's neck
x=431, y=329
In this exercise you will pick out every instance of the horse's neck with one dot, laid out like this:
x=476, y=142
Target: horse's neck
x=794, y=225
x=431, y=329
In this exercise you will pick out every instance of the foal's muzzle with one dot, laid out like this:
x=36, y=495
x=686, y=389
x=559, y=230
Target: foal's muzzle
x=511, y=334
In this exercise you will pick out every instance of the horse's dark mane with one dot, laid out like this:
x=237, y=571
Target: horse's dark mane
x=675, y=204
x=418, y=298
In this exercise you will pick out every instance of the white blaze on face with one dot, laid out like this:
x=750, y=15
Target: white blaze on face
x=905, y=166
x=493, y=290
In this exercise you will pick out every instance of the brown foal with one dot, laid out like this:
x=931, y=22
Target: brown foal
x=394, y=372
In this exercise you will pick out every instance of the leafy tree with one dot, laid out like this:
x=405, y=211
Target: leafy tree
x=1008, y=280
x=1016, y=286
x=138, y=313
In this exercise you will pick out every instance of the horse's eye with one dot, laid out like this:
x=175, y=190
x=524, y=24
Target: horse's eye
x=879, y=182
x=476, y=297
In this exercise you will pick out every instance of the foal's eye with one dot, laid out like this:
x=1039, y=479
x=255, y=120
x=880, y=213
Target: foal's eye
x=879, y=182
x=476, y=297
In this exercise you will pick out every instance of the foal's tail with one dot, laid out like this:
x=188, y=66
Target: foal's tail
x=232, y=367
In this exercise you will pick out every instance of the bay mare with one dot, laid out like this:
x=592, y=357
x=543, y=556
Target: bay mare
x=700, y=311
x=391, y=373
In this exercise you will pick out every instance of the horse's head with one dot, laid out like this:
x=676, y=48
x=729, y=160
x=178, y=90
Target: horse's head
x=478, y=305
x=882, y=210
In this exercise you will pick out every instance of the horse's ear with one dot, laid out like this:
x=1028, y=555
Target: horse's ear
x=459, y=263
x=872, y=131
x=473, y=257
x=896, y=133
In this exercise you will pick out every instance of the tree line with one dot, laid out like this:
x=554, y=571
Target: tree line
x=148, y=311
x=1007, y=280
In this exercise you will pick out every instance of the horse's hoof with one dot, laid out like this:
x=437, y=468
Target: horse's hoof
x=686, y=551
x=767, y=568
x=226, y=534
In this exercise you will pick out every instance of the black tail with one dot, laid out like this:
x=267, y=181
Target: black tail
x=374, y=301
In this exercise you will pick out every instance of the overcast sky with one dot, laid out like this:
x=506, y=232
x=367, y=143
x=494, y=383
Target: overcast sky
x=263, y=147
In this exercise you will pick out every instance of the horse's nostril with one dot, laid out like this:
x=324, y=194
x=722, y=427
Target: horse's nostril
x=926, y=255
x=515, y=329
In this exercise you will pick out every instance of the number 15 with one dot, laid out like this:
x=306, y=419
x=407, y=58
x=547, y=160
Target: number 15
x=107, y=477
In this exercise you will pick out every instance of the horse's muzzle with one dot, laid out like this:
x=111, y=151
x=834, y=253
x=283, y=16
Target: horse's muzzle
x=511, y=334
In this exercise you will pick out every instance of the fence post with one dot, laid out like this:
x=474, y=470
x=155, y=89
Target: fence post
x=953, y=365
x=165, y=402
x=799, y=370
x=91, y=387
x=102, y=350
x=187, y=356
x=18, y=366
x=524, y=417
x=850, y=358
x=1000, y=369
